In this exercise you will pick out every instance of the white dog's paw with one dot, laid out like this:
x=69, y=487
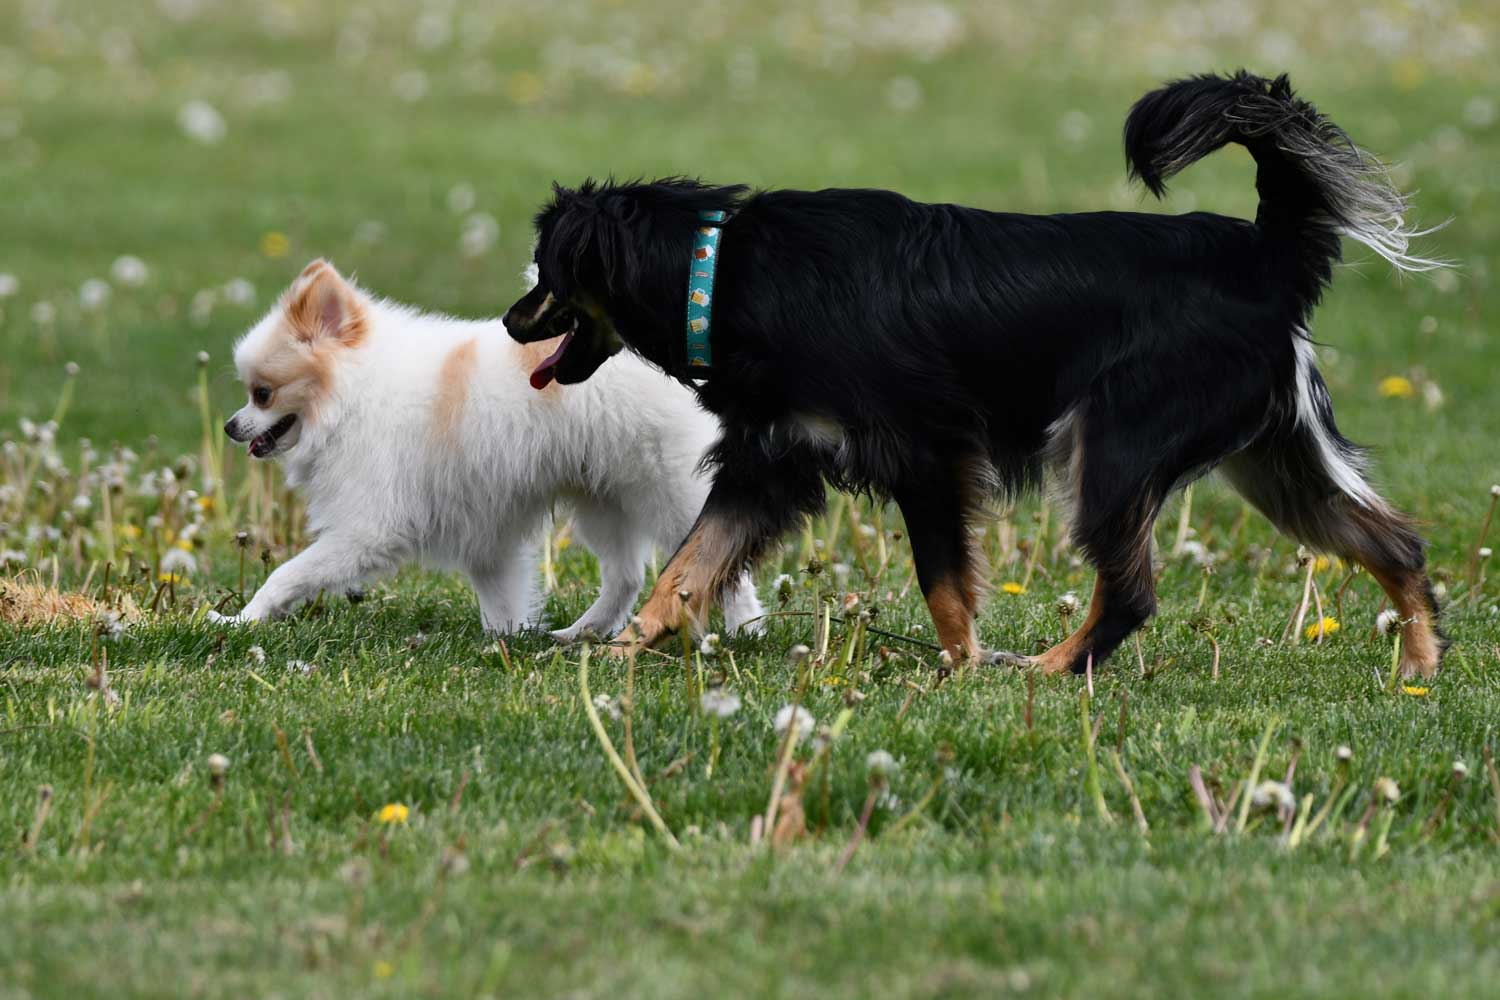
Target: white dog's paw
x=581, y=632
x=215, y=618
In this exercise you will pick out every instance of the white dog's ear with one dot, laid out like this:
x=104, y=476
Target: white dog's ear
x=322, y=305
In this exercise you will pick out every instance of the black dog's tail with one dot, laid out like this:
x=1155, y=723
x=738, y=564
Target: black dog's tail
x=1315, y=184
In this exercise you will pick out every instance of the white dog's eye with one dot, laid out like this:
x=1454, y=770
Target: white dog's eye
x=260, y=395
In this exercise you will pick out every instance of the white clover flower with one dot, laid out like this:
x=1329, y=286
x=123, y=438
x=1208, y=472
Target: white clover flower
x=201, y=122
x=9, y=285
x=1273, y=794
x=880, y=764
x=805, y=721
x=479, y=233
x=179, y=561
x=461, y=199
x=94, y=294
x=609, y=706
x=238, y=292
x=720, y=702
x=130, y=271
x=1387, y=620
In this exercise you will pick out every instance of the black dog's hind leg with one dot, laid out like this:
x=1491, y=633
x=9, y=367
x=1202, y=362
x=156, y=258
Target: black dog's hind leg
x=751, y=503
x=938, y=511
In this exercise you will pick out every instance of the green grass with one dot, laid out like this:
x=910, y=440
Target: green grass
x=523, y=867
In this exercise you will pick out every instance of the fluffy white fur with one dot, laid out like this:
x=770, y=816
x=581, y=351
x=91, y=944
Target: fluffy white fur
x=418, y=438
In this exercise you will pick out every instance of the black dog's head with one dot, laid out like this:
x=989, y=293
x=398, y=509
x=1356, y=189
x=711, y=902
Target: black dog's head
x=612, y=264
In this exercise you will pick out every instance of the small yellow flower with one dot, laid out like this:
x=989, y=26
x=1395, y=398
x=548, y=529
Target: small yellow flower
x=130, y=530
x=274, y=244
x=185, y=544
x=205, y=503
x=1326, y=627
x=1322, y=564
x=564, y=542
x=393, y=812
x=171, y=577
x=1397, y=387
x=833, y=681
x=384, y=969
x=524, y=87
x=1012, y=587
x=1414, y=691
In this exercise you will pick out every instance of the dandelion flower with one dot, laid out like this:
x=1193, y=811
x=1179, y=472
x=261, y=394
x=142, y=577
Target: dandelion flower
x=9, y=285
x=805, y=721
x=720, y=702
x=258, y=655
x=880, y=764
x=1414, y=690
x=275, y=244
x=201, y=122
x=609, y=706
x=709, y=644
x=1325, y=628
x=178, y=562
x=798, y=654
x=1273, y=795
x=393, y=812
x=130, y=271
x=1387, y=789
x=384, y=969
x=1397, y=387
x=1344, y=754
x=1068, y=604
x=218, y=765
x=238, y=292
x=1460, y=770
x=1012, y=587
x=93, y=294
x=782, y=587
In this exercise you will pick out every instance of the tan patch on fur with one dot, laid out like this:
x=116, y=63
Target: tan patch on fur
x=1060, y=658
x=1421, y=649
x=453, y=387
x=952, y=605
x=529, y=356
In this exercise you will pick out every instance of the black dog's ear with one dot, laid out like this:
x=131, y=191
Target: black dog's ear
x=586, y=240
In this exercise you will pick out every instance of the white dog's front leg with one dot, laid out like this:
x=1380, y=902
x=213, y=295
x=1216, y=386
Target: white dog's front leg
x=621, y=549
x=331, y=563
x=507, y=591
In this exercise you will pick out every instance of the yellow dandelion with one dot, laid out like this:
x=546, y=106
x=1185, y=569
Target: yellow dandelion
x=1414, y=691
x=1323, y=564
x=1397, y=387
x=564, y=542
x=1326, y=627
x=524, y=87
x=130, y=530
x=205, y=503
x=393, y=812
x=185, y=544
x=275, y=244
x=833, y=681
x=173, y=578
x=384, y=969
x=1012, y=587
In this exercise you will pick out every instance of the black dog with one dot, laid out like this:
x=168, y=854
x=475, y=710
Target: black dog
x=939, y=355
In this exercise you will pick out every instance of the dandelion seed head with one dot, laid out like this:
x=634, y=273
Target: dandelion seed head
x=720, y=702
x=1344, y=754
x=202, y=122
x=1460, y=770
x=130, y=271
x=218, y=765
x=880, y=764
x=806, y=723
x=1387, y=789
x=1387, y=620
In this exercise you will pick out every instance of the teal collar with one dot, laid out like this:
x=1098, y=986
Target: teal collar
x=700, y=299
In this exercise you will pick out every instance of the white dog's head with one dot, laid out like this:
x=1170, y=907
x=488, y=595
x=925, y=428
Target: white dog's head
x=286, y=360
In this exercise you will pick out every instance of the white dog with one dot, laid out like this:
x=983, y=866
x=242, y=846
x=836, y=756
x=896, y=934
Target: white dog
x=422, y=438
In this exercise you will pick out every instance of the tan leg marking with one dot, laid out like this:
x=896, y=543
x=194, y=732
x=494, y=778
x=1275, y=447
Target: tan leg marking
x=453, y=388
x=1421, y=649
x=952, y=612
x=701, y=567
x=1060, y=658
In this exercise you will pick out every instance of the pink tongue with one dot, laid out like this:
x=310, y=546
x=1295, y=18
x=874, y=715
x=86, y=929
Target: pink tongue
x=547, y=370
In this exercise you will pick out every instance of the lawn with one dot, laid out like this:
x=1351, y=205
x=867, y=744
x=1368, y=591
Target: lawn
x=376, y=799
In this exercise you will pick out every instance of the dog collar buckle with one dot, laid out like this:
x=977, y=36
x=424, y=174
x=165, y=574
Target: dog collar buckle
x=701, y=269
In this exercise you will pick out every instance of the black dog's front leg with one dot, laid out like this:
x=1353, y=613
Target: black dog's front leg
x=753, y=501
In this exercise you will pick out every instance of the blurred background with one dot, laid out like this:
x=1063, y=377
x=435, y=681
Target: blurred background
x=169, y=166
